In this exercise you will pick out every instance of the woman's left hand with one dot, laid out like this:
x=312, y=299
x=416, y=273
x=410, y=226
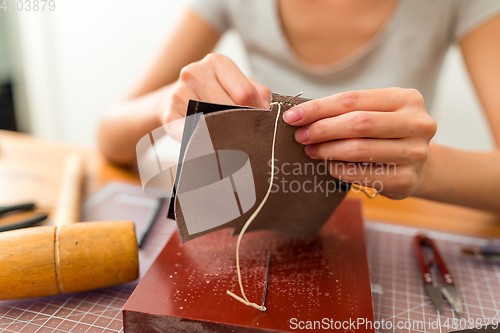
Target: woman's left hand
x=377, y=138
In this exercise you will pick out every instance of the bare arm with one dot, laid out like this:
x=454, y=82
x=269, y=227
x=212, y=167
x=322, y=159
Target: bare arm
x=177, y=76
x=472, y=178
x=141, y=110
x=390, y=127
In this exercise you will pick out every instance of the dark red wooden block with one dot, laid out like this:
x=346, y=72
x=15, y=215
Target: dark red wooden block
x=322, y=278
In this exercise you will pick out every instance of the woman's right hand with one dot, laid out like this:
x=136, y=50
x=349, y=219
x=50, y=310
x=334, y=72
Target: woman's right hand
x=162, y=95
x=214, y=79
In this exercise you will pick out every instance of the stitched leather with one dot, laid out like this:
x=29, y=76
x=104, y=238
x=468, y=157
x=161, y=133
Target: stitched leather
x=251, y=130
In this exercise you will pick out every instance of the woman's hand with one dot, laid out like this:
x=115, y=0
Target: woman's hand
x=214, y=79
x=377, y=138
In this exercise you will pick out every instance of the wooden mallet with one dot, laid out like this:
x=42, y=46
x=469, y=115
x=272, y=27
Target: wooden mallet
x=67, y=257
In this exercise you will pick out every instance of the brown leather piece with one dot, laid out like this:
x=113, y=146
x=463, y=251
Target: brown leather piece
x=322, y=276
x=251, y=130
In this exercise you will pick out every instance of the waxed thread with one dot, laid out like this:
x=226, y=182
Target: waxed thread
x=245, y=300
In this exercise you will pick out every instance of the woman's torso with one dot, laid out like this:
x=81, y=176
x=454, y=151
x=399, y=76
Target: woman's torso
x=322, y=32
x=322, y=47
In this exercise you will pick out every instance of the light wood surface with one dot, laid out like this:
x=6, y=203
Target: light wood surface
x=30, y=170
x=67, y=256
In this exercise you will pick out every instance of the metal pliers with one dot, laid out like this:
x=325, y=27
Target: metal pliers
x=9, y=220
x=449, y=291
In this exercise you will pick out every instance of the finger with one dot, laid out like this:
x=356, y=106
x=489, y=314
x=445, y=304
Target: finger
x=237, y=85
x=212, y=91
x=357, y=124
x=370, y=151
x=389, y=99
x=175, y=112
x=264, y=93
x=200, y=80
x=390, y=180
x=179, y=102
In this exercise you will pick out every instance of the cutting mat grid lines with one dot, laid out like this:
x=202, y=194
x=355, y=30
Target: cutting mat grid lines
x=97, y=311
x=393, y=270
x=402, y=298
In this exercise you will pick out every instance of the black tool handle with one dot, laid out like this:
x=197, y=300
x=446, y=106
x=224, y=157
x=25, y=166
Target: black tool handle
x=21, y=208
x=24, y=224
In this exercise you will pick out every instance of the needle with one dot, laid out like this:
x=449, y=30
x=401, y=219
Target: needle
x=267, y=278
x=293, y=97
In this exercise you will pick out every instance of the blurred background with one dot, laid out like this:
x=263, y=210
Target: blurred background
x=59, y=70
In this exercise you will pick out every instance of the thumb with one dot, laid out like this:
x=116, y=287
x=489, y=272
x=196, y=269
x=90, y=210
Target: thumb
x=264, y=93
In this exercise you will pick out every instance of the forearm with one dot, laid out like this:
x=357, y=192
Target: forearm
x=463, y=178
x=125, y=123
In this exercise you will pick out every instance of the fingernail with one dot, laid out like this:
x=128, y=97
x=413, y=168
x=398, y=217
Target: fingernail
x=302, y=135
x=293, y=115
x=311, y=151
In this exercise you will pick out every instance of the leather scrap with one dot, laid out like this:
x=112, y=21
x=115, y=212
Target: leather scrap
x=298, y=206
